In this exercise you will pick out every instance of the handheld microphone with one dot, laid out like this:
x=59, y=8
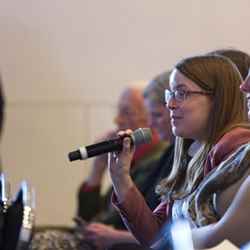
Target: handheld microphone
x=139, y=136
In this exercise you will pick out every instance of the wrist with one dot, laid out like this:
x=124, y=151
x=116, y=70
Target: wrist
x=121, y=186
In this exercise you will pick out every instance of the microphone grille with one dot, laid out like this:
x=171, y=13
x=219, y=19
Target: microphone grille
x=142, y=136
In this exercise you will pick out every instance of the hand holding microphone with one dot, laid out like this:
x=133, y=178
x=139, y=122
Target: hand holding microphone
x=138, y=137
x=119, y=165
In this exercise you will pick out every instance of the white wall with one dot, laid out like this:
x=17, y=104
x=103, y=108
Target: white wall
x=64, y=63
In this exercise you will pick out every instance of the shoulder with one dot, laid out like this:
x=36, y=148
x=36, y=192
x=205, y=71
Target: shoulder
x=227, y=144
x=231, y=141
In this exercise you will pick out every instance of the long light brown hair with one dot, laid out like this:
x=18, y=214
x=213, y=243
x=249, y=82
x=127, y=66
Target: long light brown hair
x=221, y=77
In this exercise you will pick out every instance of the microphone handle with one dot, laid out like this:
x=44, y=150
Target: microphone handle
x=104, y=147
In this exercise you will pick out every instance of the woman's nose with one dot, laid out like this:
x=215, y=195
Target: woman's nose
x=172, y=104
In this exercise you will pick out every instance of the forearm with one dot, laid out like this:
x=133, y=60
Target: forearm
x=97, y=170
x=234, y=224
x=138, y=217
x=99, y=164
x=206, y=237
x=89, y=202
x=123, y=236
x=122, y=186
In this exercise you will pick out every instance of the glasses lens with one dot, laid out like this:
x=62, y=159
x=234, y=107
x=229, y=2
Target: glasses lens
x=180, y=95
x=167, y=95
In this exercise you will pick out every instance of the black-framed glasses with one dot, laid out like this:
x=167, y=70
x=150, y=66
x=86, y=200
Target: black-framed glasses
x=182, y=95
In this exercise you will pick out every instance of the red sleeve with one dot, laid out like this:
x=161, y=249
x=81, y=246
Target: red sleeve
x=138, y=217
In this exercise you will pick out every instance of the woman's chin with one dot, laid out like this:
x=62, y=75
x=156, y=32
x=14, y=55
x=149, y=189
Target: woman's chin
x=177, y=132
x=180, y=133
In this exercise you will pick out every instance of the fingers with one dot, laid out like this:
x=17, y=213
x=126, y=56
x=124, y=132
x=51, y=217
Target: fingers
x=125, y=132
x=112, y=159
x=79, y=221
x=119, y=163
x=94, y=230
x=126, y=141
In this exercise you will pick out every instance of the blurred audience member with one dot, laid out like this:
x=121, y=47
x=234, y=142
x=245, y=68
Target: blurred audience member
x=131, y=113
x=154, y=96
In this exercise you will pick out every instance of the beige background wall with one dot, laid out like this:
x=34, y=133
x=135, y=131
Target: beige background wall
x=64, y=63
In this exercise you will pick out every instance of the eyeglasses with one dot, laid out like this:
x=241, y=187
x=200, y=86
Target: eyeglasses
x=182, y=95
